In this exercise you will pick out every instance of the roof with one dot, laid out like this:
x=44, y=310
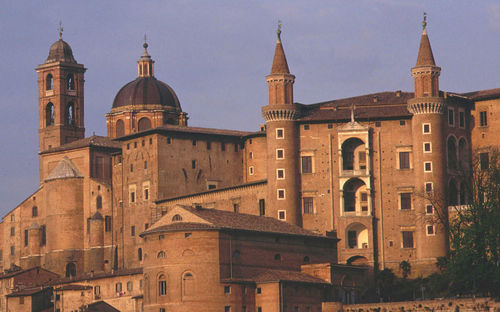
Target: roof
x=425, y=57
x=73, y=287
x=60, y=51
x=90, y=276
x=65, y=169
x=93, y=141
x=27, y=292
x=190, y=130
x=483, y=94
x=276, y=276
x=212, y=219
x=280, y=65
x=101, y=306
x=8, y=274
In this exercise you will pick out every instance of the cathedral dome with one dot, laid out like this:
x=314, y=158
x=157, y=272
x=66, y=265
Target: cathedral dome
x=60, y=51
x=147, y=91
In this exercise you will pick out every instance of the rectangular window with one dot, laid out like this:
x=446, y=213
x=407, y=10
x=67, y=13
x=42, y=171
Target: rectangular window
x=404, y=160
x=427, y=147
x=430, y=230
x=146, y=194
x=132, y=197
x=227, y=289
x=236, y=208
x=428, y=166
x=194, y=142
x=227, y=309
x=281, y=194
x=135, y=144
x=308, y=204
x=145, y=165
x=223, y=146
x=235, y=147
x=281, y=214
x=483, y=119
x=143, y=143
x=280, y=133
x=193, y=164
x=408, y=239
x=12, y=250
x=306, y=164
x=280, y=174
x=132, y=230
x=352, y=239
x=118, y=287
x=402, y=123
x=280, y=153
x=25, y=237
x=426, y=128
x=97, y=290
x=169, y=141
x=484, y=160
x=209, y=145
x=349, y=201
x=378, y=124
x=451, y=117
x=405, y=199
x=330, y=126
x=428, y=187
x=12, y=231
x=461, y=119
x=262, y=207
x=429, y=209
x=130, y=286
x=306, y=127
x=362, y=159
x=107, y=223
x=44, y=235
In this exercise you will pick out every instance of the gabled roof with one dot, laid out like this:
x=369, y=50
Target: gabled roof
x=212, y=219
x=93, y=141
x=101, y=306
x=65, y=169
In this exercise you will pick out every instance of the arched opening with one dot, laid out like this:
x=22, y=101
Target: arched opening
x=144, y=124
x=353, y=154
x=162, y=285
x=356, y=236
x=161, y=254
x=452, y=153
x=139, y=254
x=49, y=82
x=98, y=202
x=355, y=196
x=463, y=154
x=70, y=114
x=34, y=211
x=452, y=193
x=71, y=82
x=120, y=128
x=187, y=284
x=70, y=269
x=146, y=288
x=49, y=114
x=176, y=218
x=357, y=260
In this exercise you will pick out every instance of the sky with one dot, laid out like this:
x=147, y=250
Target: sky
x=216, y=54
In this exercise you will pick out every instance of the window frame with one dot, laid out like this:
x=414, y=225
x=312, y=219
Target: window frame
x=427, y=226
x=310, y=205
x=425, y=166
x=430, y=147
x=451, y=117
x=426, y=125
x=278, y=136
x=400, y=199
x=483, y=123
x=278, y=151
x=278, y=195
x=282, y=170
x=403, y=244
x=284, y=215
x=310, y=157
x=400, y=154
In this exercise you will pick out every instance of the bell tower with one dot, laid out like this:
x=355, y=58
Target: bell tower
x=60, y=97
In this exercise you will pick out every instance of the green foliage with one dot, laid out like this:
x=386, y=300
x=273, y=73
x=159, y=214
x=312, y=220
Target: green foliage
x=405, y=268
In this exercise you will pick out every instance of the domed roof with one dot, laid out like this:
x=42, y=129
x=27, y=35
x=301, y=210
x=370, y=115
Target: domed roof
x=60, y=51
x=146, y=91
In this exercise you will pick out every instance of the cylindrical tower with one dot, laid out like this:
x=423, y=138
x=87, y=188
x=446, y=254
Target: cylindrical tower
x=282, y=142
x=429, y=150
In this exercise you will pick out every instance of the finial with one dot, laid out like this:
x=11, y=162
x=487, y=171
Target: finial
x=353, y=107
x=61, y=29
x=278, y=32
x=145, y=45
x=424, y=22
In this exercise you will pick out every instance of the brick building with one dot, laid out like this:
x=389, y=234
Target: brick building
x=294, y=212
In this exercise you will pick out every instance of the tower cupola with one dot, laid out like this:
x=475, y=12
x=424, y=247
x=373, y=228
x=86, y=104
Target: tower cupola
x=145, y=65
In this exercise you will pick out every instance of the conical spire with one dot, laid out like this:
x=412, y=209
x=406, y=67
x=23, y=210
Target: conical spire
x=145, y=63
x=425, y=57
x=280, y=65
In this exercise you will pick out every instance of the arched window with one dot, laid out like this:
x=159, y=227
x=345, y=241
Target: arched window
x=34, y=211
x=353, y=154
x=70, y=114
x=463, y=154
x=452, y=153
x=49, y=82
x=176, y=218
x=188, y=284
x=162, y=285
x=49, y=114
x=120, y=128
x=161, y=254
x=139, y=254
x=71, y=83
x=144, y=124
x=452, y=193
x=98, y=202
x=356, y=236
x=70, y=269
x=355, y=196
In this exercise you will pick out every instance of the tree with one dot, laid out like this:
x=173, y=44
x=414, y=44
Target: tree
x=405, y=268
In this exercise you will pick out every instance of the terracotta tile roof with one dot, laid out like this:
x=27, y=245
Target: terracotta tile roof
x=8, y=274
x=280, y=65
x=483, y=94
x=275, y=276
x=93, y=141
x=89, y=276
x=425, y=57
x=101, y=306
x=27, y=292
x=226, y=220
x=73, y=287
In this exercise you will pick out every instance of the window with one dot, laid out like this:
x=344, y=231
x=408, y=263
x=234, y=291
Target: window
x=21, y=300
x=70, y=114
x=130, y=286
x=281, y=214
x=132, y=230
x=484, y=161
x=118, y=287
x=49, y=82
x=12, y=231
x=12, y=250
x=428, y=187
x=193, y=164
x=25, y=237
x=71, y=82
x=259, y=290
x=142, y=144
x=144, y=124
x=34, y=211
x=145, y=187
x=139, y=254
x=281, y=194
x=352, y=239
x=223, y=146
x=426, y=128
x=483, y=119
x=306, y=127
x=107, y=223
x=362, y=159
x=427, y=147
x=259, y=309
x=44, y=235
x=169, y=141
x=451, y=117
x=227, y=289
x=209, y=145
x=146, y=226
x=163, y=310
x=98, y=202
x=280, y=133
x=131, y=167
x=135, y=144
x=402, y=123
x=428, y=166
x=430, y=230
x=236, y=208
x=262, y=207
x=280, y=153
x=145, y=163
x=277, y=257
x=12, y=218
x=461, y=119
x=176, y=218
x=97, y=290
x=194, y=142
x=250, y=170
x=212, y=186
x=408, y=239
x=280, y=174
x=378, y=124
x=250, y=155
x=161, y=255
x=405, y=199
x=235, y=147
x=306, y=162
x=227, y=309
x=49, y=114
x=429, y=209
x=308, y=204
x=330, y=126
x=404, y=160
x=188, y=284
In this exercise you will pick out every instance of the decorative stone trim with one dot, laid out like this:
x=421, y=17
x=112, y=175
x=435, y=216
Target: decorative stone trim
x=426, y=106
x=280, y=114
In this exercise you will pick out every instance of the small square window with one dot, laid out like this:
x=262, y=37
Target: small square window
x=259, y=290
x=430, y=230
x=428, y=187
x=429, y=209
x=280, y=154
x=427, y=147
x=306, y=127
x=281, y=214
x=426, y=128
x=428, y=166
x=280, y=174
x=281, y=194
x=280, y=133
x=402, y=123
x=378, y=124
x=227, y=289
x=330, y=126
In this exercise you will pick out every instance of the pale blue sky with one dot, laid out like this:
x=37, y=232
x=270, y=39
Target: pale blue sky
x=215, y=55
